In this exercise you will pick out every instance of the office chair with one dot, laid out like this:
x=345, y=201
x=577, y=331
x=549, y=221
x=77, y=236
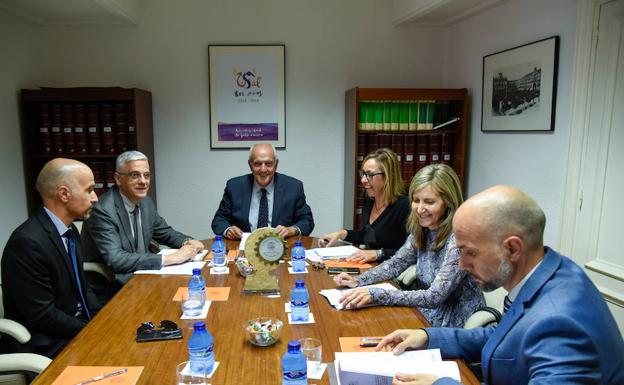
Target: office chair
x=491, y=313
x=14, y=366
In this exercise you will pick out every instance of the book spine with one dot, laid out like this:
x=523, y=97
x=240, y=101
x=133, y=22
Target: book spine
x=109, y=174
x=409, y=154
x=98, y=176
x=447, y=148
x=413, y=115
x=434, y=149
x=397, y=145
x=422, y=115
x=372, y=143
x=93, y=129
x=56, y=134
x=385, y=141
x=431, y=104
x=108, y=136
x=422, y=147
x=132, y=134
x=379, y=115
x=394, y=116
x=69, y=139
x=361, y=149
x=45, y=140
x=80, y=129
x=121, y=128
x=362, y=111
x=387, y=116
x=403, y=116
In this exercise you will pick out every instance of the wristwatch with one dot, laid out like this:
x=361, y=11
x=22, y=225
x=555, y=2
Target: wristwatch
x=379, y=253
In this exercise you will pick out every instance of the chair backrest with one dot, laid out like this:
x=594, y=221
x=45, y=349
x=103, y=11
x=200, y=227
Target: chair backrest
x=495, y=298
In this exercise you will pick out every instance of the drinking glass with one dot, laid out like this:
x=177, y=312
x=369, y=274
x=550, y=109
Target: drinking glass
x=312, y=350
x=192, y=305
x=186, y=377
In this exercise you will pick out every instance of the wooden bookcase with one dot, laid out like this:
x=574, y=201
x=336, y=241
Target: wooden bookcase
x=83, y=115
x=449, y=103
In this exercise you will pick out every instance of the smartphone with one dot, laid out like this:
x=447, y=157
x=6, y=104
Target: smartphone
x=348, y=270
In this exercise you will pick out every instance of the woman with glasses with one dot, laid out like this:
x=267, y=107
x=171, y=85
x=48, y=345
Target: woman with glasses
x=442, y=292
x=385, y=210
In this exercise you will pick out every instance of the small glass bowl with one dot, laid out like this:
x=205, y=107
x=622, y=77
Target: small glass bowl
x=263, y=331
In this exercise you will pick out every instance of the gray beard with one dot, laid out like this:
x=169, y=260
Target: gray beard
x=505, y=271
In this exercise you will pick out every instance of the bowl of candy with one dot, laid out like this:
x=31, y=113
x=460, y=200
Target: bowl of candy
x=244, y=267
x=263, y=331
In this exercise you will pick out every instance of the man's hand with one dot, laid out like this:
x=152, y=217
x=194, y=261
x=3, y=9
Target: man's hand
x=196, y=245
x=344, y=279
x=402, y=339
x=356, y=298
x=330, y=239
x=363, y=256
x=184, y=254
x=413, y=379
x=286, y=232
x=233, y=232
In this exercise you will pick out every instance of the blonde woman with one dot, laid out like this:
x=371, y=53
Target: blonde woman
x=444, y=293
x=385, y=210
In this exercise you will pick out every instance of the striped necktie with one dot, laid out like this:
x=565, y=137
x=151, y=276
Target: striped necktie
x=263, y=212
x=506, y=304
x=71, y=246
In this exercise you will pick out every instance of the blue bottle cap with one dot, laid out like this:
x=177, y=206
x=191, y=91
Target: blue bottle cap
x=299, y=283
x=294, y=346
x=218, y=238
x=297, y=243
x=201, y=325
x=196, y=271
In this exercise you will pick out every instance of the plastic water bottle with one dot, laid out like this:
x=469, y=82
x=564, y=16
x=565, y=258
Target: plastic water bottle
x=294, y=365
x=219, y=255
x=193, y=305
x=201, y=349
x=297, y=257
x=299, y=307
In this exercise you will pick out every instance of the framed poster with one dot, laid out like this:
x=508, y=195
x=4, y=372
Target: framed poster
x=520, y=87
x=247, y=103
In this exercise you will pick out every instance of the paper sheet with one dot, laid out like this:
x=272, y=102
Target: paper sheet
x=334, y=295
x=198, y=257
x=241, y=245
x=181, y=269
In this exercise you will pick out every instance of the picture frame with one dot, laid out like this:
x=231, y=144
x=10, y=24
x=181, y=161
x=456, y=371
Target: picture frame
x=247, y=95
x=520, y=88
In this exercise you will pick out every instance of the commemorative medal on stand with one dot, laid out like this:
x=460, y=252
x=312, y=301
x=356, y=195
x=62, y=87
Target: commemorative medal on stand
x=264, y=248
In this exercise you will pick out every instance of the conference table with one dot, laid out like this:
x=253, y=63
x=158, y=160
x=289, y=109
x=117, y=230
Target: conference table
x=109, y=339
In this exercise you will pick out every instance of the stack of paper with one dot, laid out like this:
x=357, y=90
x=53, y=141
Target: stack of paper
x=198, y=257
x=378, y=368
x=334, y=295
x=182, y=269
x=330, y=253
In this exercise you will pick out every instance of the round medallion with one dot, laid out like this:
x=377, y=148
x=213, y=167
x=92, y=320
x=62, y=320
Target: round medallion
x=271, y=248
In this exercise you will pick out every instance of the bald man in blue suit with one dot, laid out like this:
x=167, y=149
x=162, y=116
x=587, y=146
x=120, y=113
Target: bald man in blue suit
x=557, y=330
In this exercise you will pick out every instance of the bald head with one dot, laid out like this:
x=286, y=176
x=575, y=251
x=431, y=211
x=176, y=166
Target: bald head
x=58, y=172
x=502, y=211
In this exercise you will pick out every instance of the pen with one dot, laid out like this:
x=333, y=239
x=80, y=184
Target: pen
x=103, y=376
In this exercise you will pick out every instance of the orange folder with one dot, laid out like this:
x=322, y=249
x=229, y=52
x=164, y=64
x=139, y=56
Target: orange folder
x=212, y=293
x=352, y=344
x=231, y=255
x=347, y=264
x=75, y=374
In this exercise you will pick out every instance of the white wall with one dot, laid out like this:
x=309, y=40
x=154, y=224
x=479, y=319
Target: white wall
x=331, y=46
x=20, y=67
x=534, y=162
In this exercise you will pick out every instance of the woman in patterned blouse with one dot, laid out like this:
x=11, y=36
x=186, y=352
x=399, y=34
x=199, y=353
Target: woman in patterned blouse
x=442, y=292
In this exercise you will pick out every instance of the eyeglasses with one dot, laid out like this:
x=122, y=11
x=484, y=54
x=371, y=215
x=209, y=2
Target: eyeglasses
x=369, y=175
x=166, y=330
x=135, y=175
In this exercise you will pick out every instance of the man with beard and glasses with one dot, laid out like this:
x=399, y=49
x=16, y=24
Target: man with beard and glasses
x=557, y=328
x=43, y=280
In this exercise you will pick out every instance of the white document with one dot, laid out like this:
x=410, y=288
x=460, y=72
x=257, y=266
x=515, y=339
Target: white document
x=311, y=255
x=375, y=368
x=181, y=269
x=334, y=295
x=241, y=245
x=198, y=257
x=338, y=252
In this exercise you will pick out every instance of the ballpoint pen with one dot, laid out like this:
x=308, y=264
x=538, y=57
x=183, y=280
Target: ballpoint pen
x=103, y=376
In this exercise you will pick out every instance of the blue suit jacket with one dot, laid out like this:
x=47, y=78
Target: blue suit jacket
x=289, y=205
x=558, y=330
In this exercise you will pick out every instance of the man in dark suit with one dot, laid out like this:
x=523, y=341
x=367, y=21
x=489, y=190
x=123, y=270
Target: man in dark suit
x=43, y=281
x=125, y=220
x=556, y=327
x=263, y=198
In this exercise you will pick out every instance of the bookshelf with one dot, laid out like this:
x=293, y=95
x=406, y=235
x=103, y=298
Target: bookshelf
x=90, y=124
x=402, y=119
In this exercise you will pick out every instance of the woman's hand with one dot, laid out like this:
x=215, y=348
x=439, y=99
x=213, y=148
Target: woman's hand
x=413, y=379
x=344, y=279
x=330, y=239
x=356, y=298
x=363, y=256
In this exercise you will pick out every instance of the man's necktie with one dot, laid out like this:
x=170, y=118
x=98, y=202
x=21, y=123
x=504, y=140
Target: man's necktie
x=71, y=243
x=263, y=212
x=135, y=225
x=506, y=304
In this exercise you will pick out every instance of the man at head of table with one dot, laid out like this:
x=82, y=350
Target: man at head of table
x=556, y=327
x=264, y=198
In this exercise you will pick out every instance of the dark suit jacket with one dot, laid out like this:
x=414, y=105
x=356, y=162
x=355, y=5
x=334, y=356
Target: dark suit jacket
x=39, y=286
x=107, y=236
x=559, y=330
x=289, y=205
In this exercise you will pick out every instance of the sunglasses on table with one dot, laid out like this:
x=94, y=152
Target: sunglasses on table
x=166, y=330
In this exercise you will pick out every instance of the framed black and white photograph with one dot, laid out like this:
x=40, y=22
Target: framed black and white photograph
x=247, y=103
x=520, y=87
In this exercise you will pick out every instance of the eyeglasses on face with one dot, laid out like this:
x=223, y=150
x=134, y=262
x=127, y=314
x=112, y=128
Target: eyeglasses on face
x=135, y=175
x=258, y=164
x=369, y=175
x=165, y=327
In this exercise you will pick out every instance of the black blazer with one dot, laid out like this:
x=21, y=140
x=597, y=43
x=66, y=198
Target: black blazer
x=39, y=286
x=289, y=205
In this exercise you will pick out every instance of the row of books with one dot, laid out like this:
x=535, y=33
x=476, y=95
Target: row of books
x=92, y=129
x=103, y=175
x=404, y=115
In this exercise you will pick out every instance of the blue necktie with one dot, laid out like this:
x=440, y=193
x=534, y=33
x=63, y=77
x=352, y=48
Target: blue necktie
x=263, y=212
x=69, y=234
x=506, y=304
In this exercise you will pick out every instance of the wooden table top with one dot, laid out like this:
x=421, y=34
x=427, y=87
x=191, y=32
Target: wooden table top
x=109, y=339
